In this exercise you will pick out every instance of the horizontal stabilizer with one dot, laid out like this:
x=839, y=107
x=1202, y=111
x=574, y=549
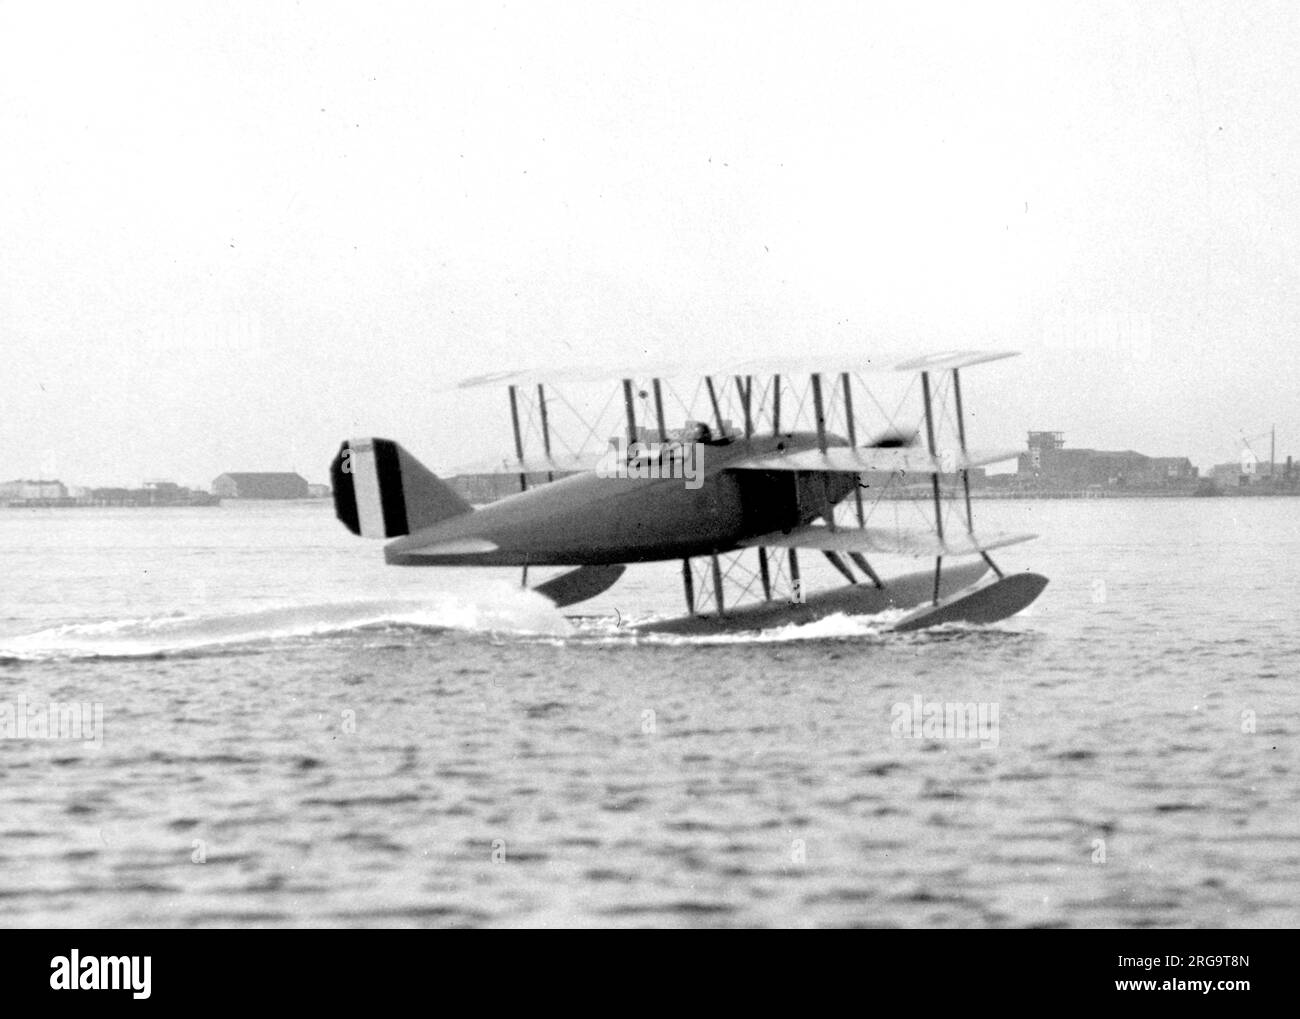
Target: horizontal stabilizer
x=885, y=541
x=863, y=460
x=581, y=584
x=381, y=491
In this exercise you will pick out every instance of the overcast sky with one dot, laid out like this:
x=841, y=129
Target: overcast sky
x=234, y=234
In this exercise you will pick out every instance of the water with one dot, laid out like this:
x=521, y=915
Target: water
x=294, y=734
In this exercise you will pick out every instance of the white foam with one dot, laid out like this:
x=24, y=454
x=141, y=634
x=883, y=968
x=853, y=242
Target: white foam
x=832, y=627
x=494, y=607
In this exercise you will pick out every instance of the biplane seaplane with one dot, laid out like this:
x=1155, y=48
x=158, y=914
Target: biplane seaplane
x=767, y=463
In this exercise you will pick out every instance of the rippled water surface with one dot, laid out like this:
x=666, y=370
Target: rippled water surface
x=294, y=734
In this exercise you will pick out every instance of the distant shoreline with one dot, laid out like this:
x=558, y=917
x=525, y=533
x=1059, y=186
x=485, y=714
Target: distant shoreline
x=210, y=503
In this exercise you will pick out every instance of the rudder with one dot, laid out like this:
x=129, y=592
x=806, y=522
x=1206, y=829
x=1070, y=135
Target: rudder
x=382, y=491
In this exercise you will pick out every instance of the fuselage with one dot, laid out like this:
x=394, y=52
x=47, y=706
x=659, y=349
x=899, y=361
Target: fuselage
x=593, y=518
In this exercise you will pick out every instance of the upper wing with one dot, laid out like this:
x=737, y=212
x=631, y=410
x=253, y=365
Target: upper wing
x=885, y=541
x=837, y=458
x=830, y=365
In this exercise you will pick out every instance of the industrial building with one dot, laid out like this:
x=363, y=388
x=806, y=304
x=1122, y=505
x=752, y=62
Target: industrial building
x=32, y=491
x=153, y=493
x=1248, y=473
x=1048, y=464
x=260, y=485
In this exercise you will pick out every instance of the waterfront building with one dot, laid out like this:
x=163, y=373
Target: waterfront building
x=260, y=485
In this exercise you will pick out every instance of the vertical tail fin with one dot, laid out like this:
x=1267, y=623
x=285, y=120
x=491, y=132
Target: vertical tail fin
x=381, y=491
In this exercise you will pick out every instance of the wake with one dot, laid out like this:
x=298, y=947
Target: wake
x=500, y=611
x=507, y=609
x=833, y=627
x=876, y=628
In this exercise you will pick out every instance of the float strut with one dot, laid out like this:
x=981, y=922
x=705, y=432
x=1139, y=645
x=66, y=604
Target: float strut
x=763, y=573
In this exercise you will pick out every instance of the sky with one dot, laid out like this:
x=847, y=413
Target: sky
x=234, y=234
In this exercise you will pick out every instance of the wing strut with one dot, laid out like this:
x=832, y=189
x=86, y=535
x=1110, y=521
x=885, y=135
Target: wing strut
x=934, y=478
x=717, y=585
x=659, y=409
x=519, y=453
x=776, y=404
x=965, y=474
x=688, y=582
x=713, y=399
x=819, y=411
x=546, y=427
x=630, y=408
x=857, y=557
x=519, y=441
x=745, y=386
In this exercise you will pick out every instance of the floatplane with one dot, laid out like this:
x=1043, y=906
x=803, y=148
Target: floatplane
x=768, y=463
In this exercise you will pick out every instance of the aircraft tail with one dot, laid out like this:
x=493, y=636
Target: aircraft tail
x=381, y=491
